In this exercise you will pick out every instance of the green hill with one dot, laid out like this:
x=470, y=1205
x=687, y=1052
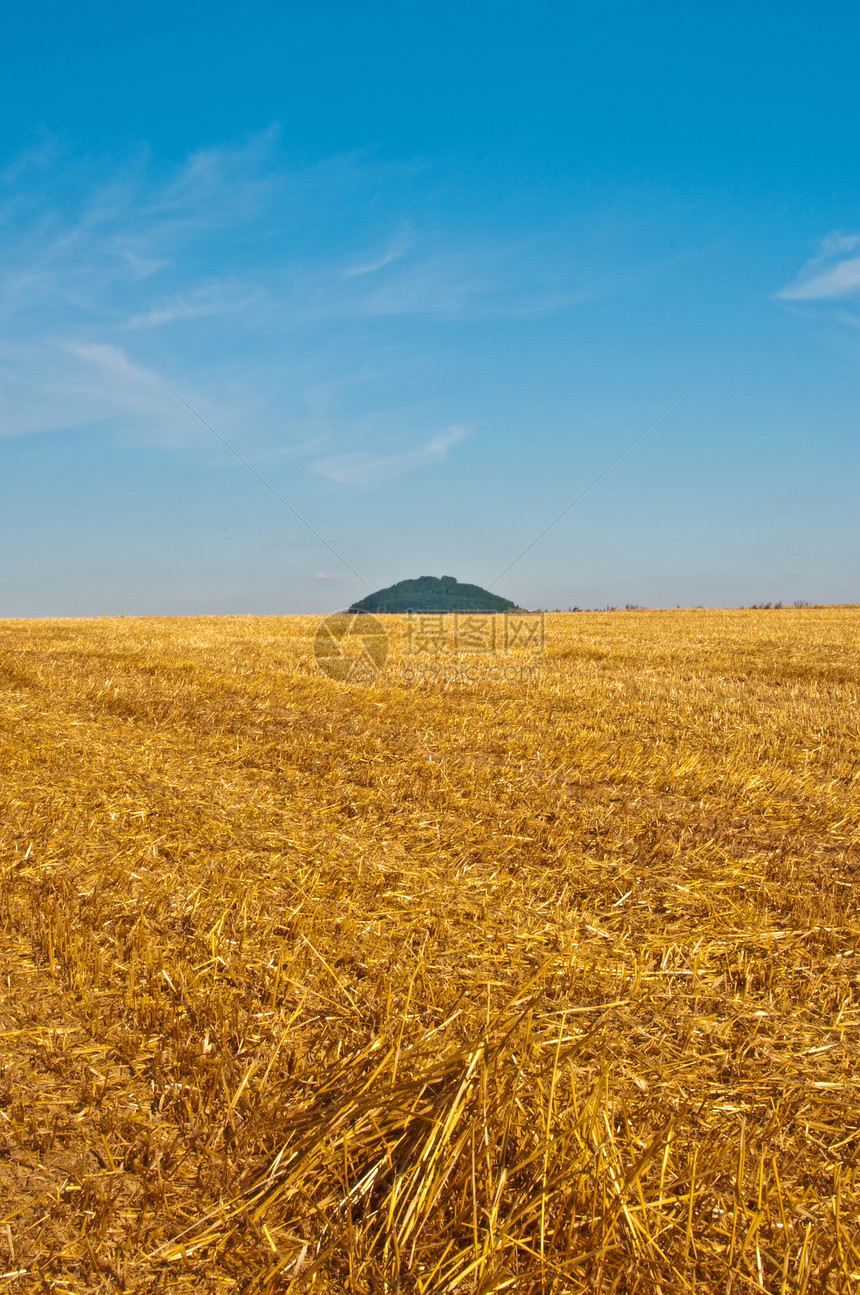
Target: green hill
x=433, y=594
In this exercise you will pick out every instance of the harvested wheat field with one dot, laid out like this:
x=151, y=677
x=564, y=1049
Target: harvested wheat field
x=468, y=982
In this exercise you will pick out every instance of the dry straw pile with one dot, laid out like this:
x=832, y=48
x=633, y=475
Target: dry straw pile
x=482, y=985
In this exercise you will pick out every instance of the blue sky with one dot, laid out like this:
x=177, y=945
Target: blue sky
x=428, y=268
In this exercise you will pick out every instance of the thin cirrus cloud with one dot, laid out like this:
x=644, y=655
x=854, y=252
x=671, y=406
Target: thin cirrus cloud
x=833, y=273
x=211, y=299
x=115, y=362
x=395, y=251
x=224, y=277
x=129, y=394
x=60, y=384
x=361, y=469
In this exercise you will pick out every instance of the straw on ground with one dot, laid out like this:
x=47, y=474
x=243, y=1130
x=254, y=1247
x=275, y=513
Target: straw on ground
x=540, y=985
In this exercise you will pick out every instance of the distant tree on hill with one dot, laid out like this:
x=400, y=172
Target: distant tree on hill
x=433, y=594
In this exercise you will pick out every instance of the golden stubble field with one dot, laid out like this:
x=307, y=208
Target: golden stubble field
x=486, y=985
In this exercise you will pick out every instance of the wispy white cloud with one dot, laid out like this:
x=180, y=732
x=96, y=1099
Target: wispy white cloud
x=126, y=393
x=358, y=469
x=114, y=361
x=396, y=249
x=141, y=266
x=832, y=273
x=325, y=575
x=279, y=453
x=59, y=384
x=237, y=277
x=209, y=299
x=371, y=267
x=94, y=258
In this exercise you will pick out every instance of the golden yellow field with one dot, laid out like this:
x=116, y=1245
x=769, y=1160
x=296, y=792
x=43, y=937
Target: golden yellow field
x=468, y=984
